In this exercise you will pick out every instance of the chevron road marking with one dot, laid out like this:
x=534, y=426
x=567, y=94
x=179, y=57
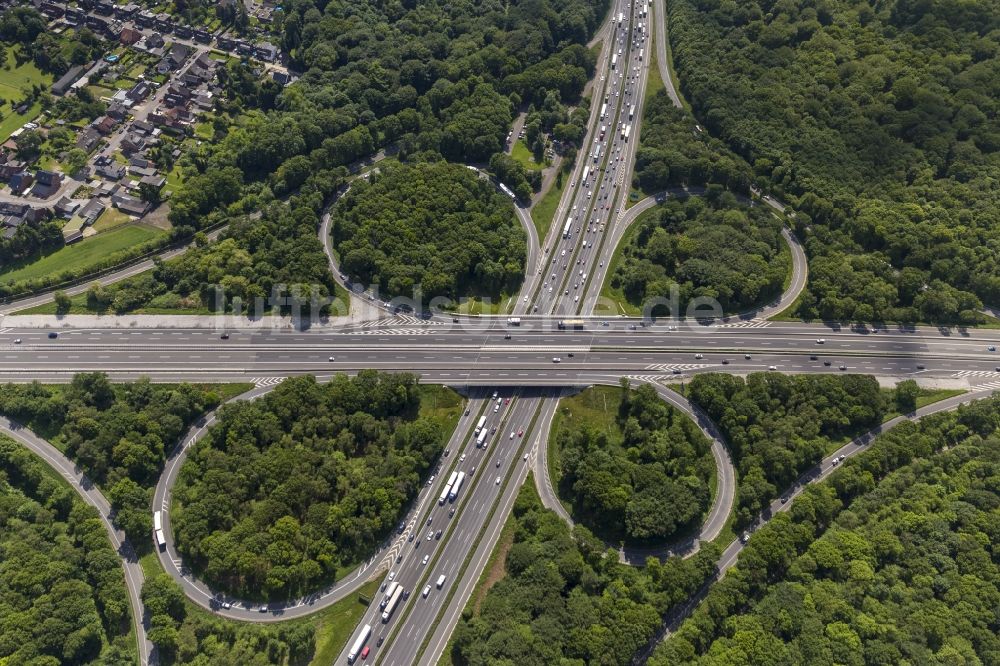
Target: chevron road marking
x=669, y=367
x=267, y=381
x=977, y=373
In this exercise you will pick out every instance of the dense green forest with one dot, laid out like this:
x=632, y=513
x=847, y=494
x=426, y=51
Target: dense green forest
x=62, y=590
x=880, y=124
x=119, y=434
x=709, y=247
x=197, y=638
x=287, y=489
x=436, y=226
x=673, y=153
x=777, y=426
x=564, y=599
x=634, y=468
x=873, y=566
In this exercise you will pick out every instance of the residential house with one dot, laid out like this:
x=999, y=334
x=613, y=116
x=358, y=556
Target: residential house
x=20, y=182
x=138, y=161
x=267, y=52
x=8, y=169
x=126, y=11
x=129, y=204
x=142, y=171
x=179, y=53
x=48, y=179
x=105, y=125
x=129, y=36
x=66, y=80
x=183, y=31
x=112, y=171
x=282, y=77
x=132, y=143
x=51, y=9
x=202, y=36
x=67, y=207
x=118, y=110
x=163, y=23
x=155, y=41
x=139, y=91
x=226, y=43
x=87, y=139
x=145, y=18
x=244, y=48
x=97, y=24
x=74, y=16
x=156, y=181
x=105, y=7
x=92, y=211
x=143, y=127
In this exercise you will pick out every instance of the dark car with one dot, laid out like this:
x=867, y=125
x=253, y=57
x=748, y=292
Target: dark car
x=826, y=362
x=53, y=335
x=224, y=336
x=812, y=358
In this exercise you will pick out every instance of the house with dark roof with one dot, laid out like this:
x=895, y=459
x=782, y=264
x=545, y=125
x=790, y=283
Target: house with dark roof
x=47, y=178
x=129, y=204
x=111, y=171
x=20, y=182
x=179, y=53
x=92, y=210
x=66, y=80
x=87, y=139
x=267, y=52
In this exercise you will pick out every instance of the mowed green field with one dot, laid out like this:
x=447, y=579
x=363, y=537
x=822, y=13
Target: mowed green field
x=84, y=253
x=15, y=83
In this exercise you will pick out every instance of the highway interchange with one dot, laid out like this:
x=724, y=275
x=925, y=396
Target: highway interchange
x=529, y=364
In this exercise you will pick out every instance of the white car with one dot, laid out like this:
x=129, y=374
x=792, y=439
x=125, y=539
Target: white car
x=772, y=368
x=462, y=459
x=392, y=574
x=425, y=560
x=17, y=341
x=498, y=480
x=512, y=434
x=430, y=480
x=699, y=356
x=427, y=590
x=821, y=341
x=556, y=359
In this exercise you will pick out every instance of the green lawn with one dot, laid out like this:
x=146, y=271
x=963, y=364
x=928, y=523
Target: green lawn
x=441, y=405
x=610, y=294
x=522, y=154
x=542, y=212
x=110, y=218
x=87, y=252
x=927, y=396
x=14, y=120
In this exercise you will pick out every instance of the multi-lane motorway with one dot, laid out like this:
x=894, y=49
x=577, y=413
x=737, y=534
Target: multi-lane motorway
x=528, y=364
x=479, y=352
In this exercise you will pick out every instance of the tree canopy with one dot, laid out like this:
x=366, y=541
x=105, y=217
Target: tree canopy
x=564, y=599
x=708, y=247
x=642, y=478
x=880, y=124
x=777, y=425
x=285, y=490
x=119, y=434
x=434, y=225
x=888, y=561
x=62, y=592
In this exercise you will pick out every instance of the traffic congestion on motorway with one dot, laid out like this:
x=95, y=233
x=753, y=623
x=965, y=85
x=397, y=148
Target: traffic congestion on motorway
x=603, y=174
